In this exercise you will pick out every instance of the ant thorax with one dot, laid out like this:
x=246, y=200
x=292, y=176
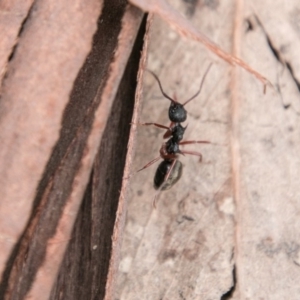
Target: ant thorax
x=169, y=150
x=176, y=131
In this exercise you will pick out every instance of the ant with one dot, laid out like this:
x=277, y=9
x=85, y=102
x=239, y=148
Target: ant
x=169, y=170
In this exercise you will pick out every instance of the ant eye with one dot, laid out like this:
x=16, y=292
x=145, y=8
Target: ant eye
x=177, y=112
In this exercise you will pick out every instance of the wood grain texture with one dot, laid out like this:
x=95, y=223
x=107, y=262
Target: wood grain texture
x=91, y=246
x=13, y=14
x=96, y=105
x=35, y=90
x=229, y=228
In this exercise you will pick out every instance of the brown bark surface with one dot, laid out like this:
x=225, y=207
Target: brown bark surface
x=65, y=88
x=229, y=228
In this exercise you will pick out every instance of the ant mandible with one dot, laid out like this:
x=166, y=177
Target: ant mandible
x=169, y=170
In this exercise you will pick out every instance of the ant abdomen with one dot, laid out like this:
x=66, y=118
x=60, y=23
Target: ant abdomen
x=165, y=177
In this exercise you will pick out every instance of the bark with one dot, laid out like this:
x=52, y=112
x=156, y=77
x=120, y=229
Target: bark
x=61, y=95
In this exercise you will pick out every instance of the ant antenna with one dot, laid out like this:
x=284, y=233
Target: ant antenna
x=201, y=84
x=161, y=89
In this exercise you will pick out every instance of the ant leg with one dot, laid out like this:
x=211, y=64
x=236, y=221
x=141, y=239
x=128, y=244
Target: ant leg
x=171, y=169
x=149, y=164
x=144, y=167
x=194, y=142
x=165, y=179
x=155, y=124
x=167, y=134
x=193, y=153
x=155, y=198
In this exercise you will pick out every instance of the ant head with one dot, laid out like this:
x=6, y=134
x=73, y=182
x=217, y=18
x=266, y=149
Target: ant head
x=177, y=112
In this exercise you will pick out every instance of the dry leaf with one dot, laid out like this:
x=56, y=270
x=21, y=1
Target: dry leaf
x=229, y=228
x=186, y=29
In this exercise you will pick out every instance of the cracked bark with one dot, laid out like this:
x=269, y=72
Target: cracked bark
x=228, y=295
x=277, y=54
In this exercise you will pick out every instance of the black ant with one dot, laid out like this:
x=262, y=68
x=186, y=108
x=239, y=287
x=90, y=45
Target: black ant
x=169, y=170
